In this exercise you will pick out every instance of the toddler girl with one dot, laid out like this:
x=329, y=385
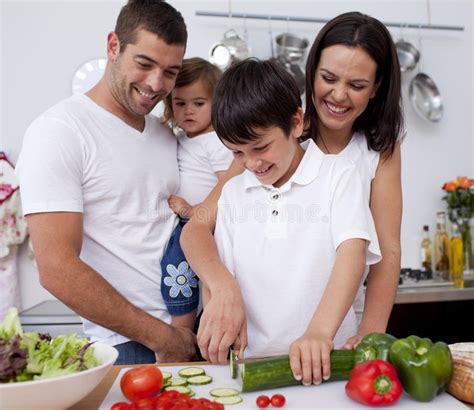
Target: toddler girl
x=202, y=159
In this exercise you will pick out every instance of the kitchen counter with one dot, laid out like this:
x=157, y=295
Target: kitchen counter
x=433, y=294
x=95, y=398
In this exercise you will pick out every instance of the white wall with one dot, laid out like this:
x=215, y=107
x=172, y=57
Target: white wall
x=43, y=42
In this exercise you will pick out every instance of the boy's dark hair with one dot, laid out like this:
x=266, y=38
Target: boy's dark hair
x=155, y=16
x=192, y=70
x=254, y=94
x=382, y=120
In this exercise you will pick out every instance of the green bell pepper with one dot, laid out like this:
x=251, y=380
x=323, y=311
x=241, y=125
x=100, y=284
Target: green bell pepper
x=373, y=346
x=424, y=367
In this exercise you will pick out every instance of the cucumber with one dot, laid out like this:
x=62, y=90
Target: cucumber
x=234, y=368
x=179, y=389
x=191, y=371
x=224, y=392
x=262, y=374
x=166, y=376
x=229, y=400
x=178, y=381
x=199, y=380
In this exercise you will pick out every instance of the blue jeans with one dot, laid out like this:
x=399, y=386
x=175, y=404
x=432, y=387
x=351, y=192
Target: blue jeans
x=179, y=284
x=134, y=353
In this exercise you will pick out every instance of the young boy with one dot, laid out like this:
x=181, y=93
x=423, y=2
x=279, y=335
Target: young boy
x=295, y=228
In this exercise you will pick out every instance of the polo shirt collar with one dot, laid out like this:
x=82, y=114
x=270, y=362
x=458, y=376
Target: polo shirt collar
x=307, y=170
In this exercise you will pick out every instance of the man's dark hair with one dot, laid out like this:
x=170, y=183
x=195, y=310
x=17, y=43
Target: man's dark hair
x=155, y=16
x=254, y=94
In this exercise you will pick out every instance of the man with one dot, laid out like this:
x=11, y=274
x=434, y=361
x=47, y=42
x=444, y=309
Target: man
x=95, y=173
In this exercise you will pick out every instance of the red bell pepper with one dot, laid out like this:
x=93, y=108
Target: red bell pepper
x=375, y=383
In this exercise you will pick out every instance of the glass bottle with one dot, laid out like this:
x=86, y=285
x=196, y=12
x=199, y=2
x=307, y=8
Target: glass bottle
x=426, y=253
x=441, y=251
x=456, y=257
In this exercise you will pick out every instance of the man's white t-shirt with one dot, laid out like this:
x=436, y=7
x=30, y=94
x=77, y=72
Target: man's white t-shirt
x=280, y=243
x=78, y=157
x=199, y=158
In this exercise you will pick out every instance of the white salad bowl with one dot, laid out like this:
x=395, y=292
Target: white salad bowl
x=59, y=392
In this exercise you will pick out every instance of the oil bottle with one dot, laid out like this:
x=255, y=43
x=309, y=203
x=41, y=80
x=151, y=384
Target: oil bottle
x=456, y=257
x=441, y=251
x=426, y=253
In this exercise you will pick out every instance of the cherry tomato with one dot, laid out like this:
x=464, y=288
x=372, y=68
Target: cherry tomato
x=141, y=382
x=278, y=400
x=120, y=406
x=263, y=401
x=170, y=394
x=143, y=404
x=215, y=406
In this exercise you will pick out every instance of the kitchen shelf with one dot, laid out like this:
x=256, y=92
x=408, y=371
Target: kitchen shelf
x=272, y=17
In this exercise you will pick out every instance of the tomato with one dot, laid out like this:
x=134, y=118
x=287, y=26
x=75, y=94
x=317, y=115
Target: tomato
x=278, y=400
x=120, y=406
x=170, y=394
x=215, y=406
x=263, y=401
x=141, y=382
x=143, y=404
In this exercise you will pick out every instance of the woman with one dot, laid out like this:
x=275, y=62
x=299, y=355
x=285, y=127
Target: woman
x=353, y=78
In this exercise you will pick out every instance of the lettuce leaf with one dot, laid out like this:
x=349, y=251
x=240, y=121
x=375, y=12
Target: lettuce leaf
x=33, y=355
x=11, y=325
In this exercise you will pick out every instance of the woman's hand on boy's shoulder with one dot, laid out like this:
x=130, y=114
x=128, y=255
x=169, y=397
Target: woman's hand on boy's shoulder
x=310, y=358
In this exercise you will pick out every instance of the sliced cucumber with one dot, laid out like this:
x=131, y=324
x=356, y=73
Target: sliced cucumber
x=199, y=380
x=191, y=393
x=179, y=389
x=229, y=400
x=224, y=392
x=191, y=372
x=234, y=370
x=178, y=381
x=166, y=376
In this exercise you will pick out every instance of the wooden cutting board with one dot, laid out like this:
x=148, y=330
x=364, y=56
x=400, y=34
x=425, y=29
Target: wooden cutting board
x=325, y=396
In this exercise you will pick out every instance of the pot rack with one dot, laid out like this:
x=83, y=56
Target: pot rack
x=272, y=17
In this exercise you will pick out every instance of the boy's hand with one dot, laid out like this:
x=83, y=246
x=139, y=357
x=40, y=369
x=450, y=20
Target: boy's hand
x=310, y=358
x=179, y=206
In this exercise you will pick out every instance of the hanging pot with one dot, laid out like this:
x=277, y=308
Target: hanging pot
x=426, y=98
x=408, y=55
x=295, y=70
x=230, y=49
x=291, y=48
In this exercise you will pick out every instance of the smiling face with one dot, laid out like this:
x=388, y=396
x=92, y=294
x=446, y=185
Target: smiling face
x=192, y=108
x=274, y=157
x=344, y=83
x=143, y=74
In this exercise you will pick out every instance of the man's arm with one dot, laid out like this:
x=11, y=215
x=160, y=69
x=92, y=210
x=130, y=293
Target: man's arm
x=223, y=321
x=57, y=242
x=386, y=208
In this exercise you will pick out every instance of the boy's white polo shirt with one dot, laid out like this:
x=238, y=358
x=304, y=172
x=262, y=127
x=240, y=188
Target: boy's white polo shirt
x=280, y=243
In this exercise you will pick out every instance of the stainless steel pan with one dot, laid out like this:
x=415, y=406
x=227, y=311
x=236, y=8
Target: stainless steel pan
x=426, y=98
x=291, y=48
x=408, y=55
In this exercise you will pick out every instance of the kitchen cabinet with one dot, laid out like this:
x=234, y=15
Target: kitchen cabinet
x=449, y=321
x=51, y=316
